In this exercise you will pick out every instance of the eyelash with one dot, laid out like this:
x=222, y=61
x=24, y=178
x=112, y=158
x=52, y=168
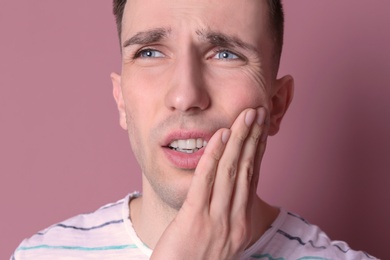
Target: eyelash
x=140, y=52
x=219, y=50
x=215, y=52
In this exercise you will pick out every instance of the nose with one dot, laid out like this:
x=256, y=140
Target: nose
x=187, y=91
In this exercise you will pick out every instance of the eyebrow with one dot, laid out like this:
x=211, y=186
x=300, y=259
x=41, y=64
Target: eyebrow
x=147, y=37
x=224, y=40
x=213, y=37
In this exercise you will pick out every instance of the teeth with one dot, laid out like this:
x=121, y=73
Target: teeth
x=174, y=144
x=199, y=143
x=188, y=145
x=182, y=144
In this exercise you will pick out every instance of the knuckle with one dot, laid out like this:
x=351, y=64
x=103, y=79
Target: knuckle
x=231, y=171
x=254, y=178
x=221, y=227
x=250, y=175
x=206, y=174
x=209, y=178
x=214, y=155
x=242, y=230
x=241, y=137
x=255, y=137
x=241, y=235
x=248, y=166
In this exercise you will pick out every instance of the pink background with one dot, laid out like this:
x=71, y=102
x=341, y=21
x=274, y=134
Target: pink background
x=63, y=153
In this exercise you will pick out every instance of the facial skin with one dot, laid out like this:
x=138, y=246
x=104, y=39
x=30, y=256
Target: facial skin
x=188, y=69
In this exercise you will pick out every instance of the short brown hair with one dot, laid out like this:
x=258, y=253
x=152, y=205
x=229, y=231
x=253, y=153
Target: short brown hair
x=276, y=24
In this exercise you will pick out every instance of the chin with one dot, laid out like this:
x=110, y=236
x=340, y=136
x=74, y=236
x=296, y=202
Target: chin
x=173, y=197
x=172, y=190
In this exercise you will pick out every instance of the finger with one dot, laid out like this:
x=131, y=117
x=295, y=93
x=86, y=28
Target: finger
x=247, y=166
x=198, y=196
x=259, y=156
x=227, y=167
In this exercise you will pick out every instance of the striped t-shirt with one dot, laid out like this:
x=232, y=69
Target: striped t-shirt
x=108, y=234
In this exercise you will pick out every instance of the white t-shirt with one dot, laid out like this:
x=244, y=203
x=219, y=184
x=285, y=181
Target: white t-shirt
x=108, y=234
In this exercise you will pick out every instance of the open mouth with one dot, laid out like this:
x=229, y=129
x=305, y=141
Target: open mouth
x=188, y=145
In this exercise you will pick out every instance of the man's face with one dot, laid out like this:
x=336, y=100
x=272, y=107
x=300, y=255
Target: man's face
x=189, y=68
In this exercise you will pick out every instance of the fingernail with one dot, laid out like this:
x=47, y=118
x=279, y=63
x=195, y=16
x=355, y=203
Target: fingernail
x=261, y=116
x=225, y=136
x=250, y=117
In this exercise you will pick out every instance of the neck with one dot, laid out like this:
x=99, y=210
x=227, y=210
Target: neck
x=263, y=215
x=150, y=217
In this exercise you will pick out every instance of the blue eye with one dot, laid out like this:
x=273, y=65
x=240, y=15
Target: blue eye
x=226, y=55
x=149, y=53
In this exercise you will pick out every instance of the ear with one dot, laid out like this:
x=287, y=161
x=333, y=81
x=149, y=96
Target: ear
x=117, y=92
x=282, y=94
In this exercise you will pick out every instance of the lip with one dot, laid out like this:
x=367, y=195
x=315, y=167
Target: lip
x=187, y=161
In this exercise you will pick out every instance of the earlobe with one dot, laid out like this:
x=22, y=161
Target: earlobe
x=283, y=91
x=118, y=96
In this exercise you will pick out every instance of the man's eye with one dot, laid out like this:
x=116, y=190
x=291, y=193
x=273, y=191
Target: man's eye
x=149, y=53
x=225, y=55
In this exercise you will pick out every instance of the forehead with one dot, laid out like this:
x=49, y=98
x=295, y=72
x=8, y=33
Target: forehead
x=244, y=19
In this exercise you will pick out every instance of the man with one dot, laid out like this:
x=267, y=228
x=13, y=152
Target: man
x=198, y=95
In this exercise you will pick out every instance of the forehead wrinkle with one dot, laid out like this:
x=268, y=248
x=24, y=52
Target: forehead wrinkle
x=223, y=40
x=147, y=37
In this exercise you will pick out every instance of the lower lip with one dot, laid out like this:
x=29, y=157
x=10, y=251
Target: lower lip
x=187, y=161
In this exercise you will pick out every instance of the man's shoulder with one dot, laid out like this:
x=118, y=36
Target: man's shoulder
x=89, y=232
x=293, y=237
x=95, y=221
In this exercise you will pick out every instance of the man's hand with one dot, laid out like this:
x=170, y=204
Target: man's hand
x=215, y=219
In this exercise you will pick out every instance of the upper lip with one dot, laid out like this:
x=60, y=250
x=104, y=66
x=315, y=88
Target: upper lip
x=185, y=134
